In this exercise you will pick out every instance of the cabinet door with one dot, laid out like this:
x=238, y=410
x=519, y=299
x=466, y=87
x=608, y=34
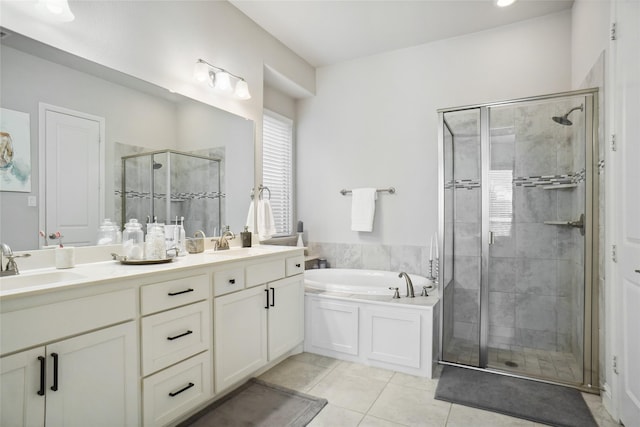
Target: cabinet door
x=392, y=336
x=22, y=389
x=96, y=379
x=240, y=325
x=286, y=315
x=333, y=326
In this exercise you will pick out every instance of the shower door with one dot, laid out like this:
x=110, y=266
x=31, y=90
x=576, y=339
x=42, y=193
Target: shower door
x=517, y=214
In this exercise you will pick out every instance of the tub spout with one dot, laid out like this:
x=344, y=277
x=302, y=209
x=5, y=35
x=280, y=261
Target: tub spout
x=410, y=293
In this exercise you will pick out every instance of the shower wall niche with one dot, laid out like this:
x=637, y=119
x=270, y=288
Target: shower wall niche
x=516, y=226
x=168, y=185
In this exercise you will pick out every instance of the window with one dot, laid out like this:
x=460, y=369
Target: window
x=277, y=168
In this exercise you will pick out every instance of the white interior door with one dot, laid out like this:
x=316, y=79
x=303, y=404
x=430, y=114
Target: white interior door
x=627, y=207
x=73, y=175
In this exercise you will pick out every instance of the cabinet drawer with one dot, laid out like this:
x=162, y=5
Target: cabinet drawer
x=258, y=274
x=227, y=281
x=32, y=326
x=294, y=265
x=174, y=335
x=173, y=293
x=174, y=391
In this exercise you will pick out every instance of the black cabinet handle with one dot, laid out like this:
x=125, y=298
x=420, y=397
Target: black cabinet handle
x=54, y=387
x=273, y=297
x=298, y=265
x=232, y=281
x=180, y=336
x=43, y=374
x=173, y=294
x=185, y=388
x=267, y=306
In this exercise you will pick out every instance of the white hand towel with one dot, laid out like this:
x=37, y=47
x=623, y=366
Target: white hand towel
x=363, y=208
x=250, y=217
x=266, y=223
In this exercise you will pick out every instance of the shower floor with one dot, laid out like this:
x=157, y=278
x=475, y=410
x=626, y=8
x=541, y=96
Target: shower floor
x=552, y=365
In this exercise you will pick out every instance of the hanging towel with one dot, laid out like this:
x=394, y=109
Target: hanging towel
x=264, y=214
x=363, y=209
x=250, y=217
x=266, y=223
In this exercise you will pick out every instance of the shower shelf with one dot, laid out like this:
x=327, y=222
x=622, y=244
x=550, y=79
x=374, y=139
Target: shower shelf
x=558, y=186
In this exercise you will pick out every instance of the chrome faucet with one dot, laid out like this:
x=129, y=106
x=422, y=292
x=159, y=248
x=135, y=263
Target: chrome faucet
x=410, y=293
x=12, y=267
x=222, y=243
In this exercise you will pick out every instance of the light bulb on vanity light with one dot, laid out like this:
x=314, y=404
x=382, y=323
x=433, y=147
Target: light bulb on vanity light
x=223, y=81
x=504, y=3
x=55, y=9
x=242, y=90
x=201, y=71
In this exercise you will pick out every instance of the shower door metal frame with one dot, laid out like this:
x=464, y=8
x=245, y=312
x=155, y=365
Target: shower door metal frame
x=590, y=366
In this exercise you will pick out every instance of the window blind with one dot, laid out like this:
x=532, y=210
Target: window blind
x=277, y=168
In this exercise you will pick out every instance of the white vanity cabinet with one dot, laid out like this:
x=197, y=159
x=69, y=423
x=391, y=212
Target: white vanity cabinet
x=88, y=379
x=176, y=343
x=260, y=323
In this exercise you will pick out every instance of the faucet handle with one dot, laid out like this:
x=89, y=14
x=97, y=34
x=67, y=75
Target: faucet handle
x=396, y=294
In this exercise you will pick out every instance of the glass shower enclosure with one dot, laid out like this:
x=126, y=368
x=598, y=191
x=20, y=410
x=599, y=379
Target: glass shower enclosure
x=518, y=231
x=168, y=185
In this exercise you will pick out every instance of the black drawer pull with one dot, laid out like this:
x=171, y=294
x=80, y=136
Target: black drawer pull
x=267, y=306
x=173, y=294
x=185, y=388
x=180, y=336
x=298, y=265
x=54, y=387
x=43, y=374
x=232, y=281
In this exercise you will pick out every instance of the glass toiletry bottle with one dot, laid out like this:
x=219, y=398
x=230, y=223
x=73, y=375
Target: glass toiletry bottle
x=133, y=240
x=155, y=246
x=245, y=236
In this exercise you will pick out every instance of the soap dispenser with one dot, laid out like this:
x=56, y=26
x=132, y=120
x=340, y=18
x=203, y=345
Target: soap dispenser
x=245, y=236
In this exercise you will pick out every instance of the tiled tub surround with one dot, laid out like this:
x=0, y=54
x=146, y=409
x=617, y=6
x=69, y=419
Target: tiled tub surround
x=407, y=258
x=535, y=269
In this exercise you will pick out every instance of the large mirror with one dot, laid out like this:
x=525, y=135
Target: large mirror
x=136, y=117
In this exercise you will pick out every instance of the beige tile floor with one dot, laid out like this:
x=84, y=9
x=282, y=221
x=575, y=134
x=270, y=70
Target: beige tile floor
x=362, y=396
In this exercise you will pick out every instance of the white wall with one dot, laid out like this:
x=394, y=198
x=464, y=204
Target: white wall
x=590, y=32
x=373, y=122
x=159, y=41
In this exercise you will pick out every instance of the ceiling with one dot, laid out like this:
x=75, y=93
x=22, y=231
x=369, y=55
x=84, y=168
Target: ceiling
x=326, y=32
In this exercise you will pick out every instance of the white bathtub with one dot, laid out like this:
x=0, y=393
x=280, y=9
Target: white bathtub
x=361, y=282
x=351, y=315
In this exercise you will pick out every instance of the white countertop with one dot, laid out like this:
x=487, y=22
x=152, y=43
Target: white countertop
x=43, y=280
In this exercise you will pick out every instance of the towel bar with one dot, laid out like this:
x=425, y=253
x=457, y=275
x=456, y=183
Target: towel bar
x=390, y=190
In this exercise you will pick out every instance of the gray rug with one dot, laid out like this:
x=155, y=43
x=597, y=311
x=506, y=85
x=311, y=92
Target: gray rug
x=257, y=403
x=531, y=400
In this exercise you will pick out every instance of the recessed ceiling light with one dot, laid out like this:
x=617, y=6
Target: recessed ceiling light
x=504, y=3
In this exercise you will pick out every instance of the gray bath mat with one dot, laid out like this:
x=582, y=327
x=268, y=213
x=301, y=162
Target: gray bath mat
x=531, y=400
x=257, y=403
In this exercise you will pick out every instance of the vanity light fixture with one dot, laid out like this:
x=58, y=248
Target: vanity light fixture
x=56, y=9
x=504, y=3
x=221, y=79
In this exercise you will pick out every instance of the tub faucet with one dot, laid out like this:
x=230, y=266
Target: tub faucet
x=410, y=293
x=223, y=241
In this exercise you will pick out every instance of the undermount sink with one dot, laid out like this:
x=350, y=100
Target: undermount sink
x=24, y=280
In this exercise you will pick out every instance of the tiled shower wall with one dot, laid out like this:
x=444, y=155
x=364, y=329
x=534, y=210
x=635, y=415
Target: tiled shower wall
x=194, y=186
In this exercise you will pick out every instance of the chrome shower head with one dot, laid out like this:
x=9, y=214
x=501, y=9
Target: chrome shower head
x=564, y=120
